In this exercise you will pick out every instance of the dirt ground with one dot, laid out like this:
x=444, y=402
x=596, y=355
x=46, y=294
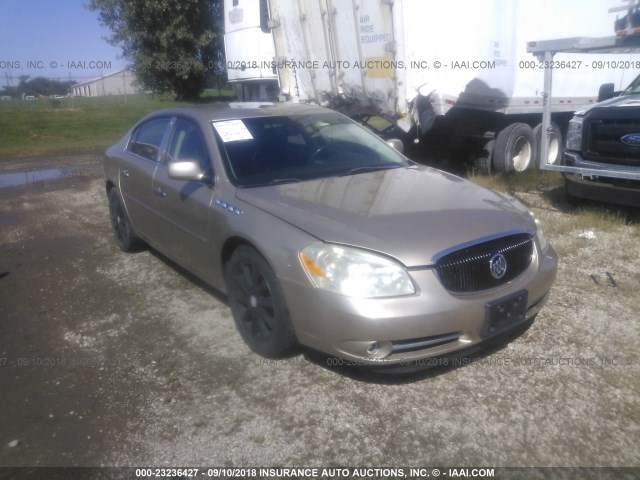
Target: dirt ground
x=113, y=359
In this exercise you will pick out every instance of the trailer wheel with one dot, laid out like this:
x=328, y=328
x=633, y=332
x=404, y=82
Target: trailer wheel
x=514, y=149
x=555, y=144
x=482, y=161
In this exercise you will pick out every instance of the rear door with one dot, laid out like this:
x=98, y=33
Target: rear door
x=137, y=170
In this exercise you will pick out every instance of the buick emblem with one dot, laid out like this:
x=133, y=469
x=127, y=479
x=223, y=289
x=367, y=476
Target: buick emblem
x=631, y=139
x=498, y=266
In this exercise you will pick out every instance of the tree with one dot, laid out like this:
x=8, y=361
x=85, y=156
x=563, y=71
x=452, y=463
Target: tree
x=170, y=42
x=43, y=86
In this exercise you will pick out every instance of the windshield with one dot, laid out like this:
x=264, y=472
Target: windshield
x=281, y=149
x=634, y=87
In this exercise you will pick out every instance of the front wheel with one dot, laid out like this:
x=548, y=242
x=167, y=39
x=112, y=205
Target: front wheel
x=257, y=304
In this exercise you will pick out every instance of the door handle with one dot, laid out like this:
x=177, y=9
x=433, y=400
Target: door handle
x=159, y=192
x=125, y=173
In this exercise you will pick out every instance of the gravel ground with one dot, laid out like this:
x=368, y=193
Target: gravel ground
x=110, y=359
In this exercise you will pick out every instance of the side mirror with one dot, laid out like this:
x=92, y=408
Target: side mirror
x=186, y=170
x=606, y=91
x=395, y=143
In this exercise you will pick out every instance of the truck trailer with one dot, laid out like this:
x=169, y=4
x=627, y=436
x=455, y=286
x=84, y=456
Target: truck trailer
x=456, y=75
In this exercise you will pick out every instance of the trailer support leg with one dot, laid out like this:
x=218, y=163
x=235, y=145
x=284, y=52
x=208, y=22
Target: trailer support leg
x=546, y=110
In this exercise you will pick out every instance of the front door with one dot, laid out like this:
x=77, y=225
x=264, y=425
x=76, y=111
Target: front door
x=183, y=207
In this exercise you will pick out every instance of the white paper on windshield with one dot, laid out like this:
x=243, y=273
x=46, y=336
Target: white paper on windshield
x=232, y=130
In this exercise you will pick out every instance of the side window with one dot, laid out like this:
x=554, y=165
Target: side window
x=187, y=143
x=146, y=140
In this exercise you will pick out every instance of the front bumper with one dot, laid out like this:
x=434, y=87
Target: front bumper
x=604, y=188
x=394, y=331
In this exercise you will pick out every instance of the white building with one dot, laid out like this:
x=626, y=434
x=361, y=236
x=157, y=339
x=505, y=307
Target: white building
x=123, y=82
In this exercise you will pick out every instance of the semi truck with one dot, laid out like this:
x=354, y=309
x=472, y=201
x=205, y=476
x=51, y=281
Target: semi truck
x=456, y=76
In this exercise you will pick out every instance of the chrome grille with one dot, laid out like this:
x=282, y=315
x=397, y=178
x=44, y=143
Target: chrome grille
x=467, y=270
x=422, y=343
x=604, y=132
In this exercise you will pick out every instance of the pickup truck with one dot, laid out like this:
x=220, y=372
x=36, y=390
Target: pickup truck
x=606, y=137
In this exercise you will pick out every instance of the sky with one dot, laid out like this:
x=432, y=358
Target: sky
x=55, y=39
x=62, y=39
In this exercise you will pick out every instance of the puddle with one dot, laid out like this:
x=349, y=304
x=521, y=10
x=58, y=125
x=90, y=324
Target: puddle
x=7, y=219
x=18, y=179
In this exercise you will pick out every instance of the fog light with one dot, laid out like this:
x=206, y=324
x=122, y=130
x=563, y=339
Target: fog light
x=379, y=349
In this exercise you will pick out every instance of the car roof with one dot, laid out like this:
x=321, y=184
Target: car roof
x=233, y=110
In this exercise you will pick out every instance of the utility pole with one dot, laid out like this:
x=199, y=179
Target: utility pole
x=124, y=85
x=73, y=99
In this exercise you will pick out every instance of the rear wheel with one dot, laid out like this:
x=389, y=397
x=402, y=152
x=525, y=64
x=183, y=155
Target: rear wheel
x=126, y=239
x=514, y=149
x=257, y=304
x=555, y=144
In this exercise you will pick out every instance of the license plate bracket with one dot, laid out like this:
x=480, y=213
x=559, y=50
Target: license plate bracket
x=505, y=312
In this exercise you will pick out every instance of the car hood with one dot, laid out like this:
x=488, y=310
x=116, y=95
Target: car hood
x=621, y=101
x=412, y=214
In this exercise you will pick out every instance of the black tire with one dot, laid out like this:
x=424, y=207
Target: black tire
x=257, y=304
x=125, y=237
x=482, y=162
x=555, y=145
x=514, y=150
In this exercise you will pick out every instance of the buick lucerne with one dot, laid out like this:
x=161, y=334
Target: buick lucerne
x=322, y=234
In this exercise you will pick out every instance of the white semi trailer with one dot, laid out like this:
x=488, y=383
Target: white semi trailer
x=455, y=74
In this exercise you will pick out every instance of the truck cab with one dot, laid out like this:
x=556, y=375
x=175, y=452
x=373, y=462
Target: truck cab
x=606, y=138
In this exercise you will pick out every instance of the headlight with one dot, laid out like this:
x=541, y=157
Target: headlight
x=539, y=232
x=354, y=272
x=574, y=134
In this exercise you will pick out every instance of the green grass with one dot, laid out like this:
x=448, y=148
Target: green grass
x=548, y=187
x=531, y=180
x=44, y=127
x=594, y=217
